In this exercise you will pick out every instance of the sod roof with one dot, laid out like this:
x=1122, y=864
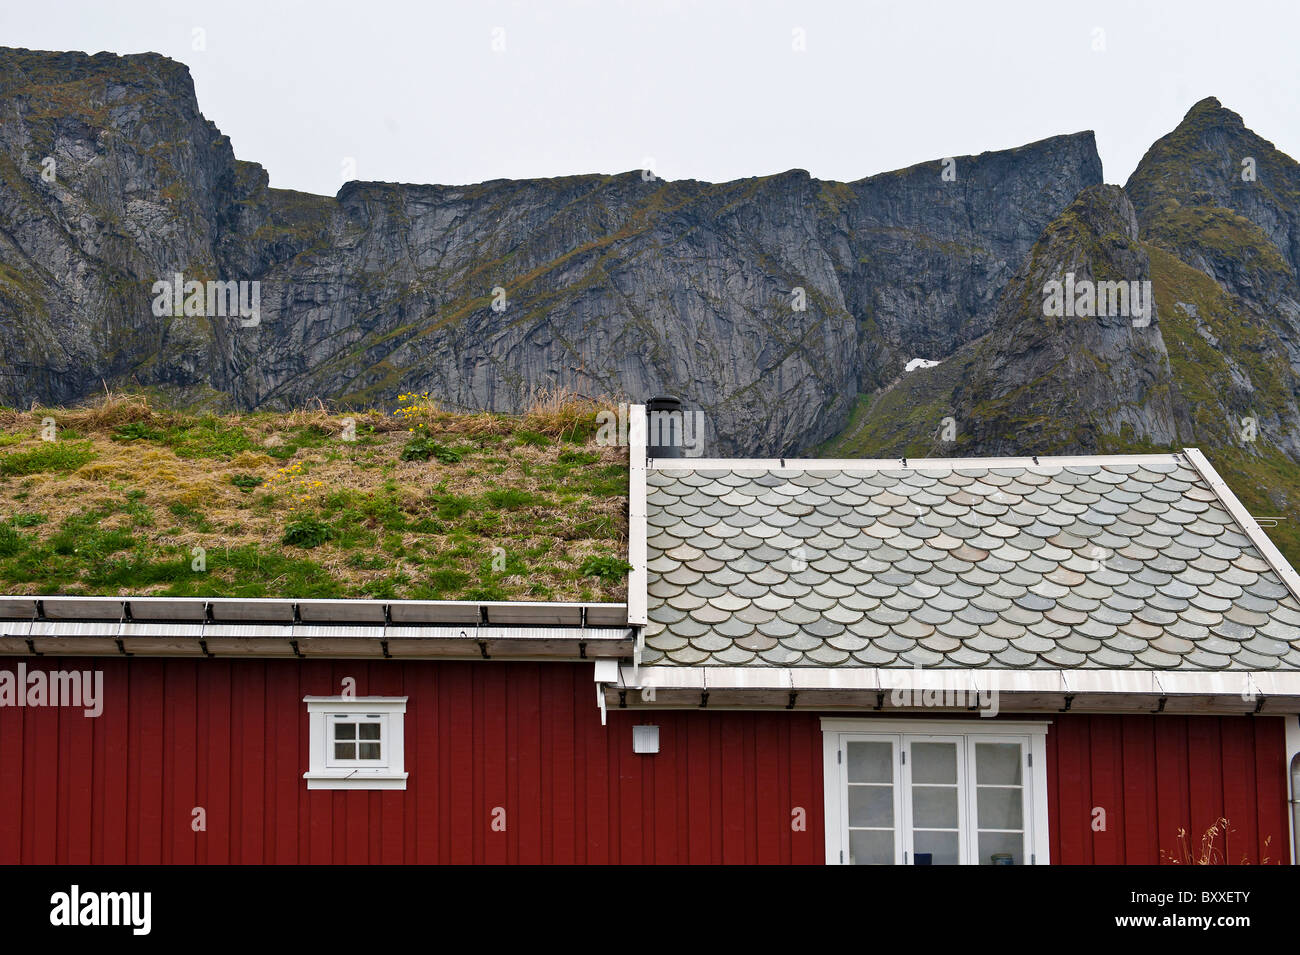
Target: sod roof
x=122, y=498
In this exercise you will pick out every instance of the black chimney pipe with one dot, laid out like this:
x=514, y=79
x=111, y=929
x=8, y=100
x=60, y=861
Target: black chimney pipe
x=665, y=427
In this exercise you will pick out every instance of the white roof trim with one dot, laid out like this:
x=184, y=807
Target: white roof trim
x=638, y=580
x=1237, y=691
x=911, y=464
x=261, y=610
x=393, y=640
x=1249, y=526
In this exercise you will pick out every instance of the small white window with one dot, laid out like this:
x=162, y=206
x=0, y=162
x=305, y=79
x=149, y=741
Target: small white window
x=929, y=793
x=356, y=742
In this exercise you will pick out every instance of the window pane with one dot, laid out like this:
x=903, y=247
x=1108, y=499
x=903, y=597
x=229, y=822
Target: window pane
x=934, y=763
x=998, y=763
x=871, y=806
x=871, y=848
x=871, y=762
x=345, y=750
x=345, y=730
x=941, y=846
x=1002, y=844
x=934, y=807
x=369, y=731
x=369, y=750
x=1000, y=808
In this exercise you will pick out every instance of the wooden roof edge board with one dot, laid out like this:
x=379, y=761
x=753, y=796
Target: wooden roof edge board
x=166, y=608
x=82, y=608
x=256, y=609
x=17, y=607
x=285, y=609
x=1062, y=682
x=913, y=464
x=286, y=631
x=1248, y=525
x=342, y=610
x=554, y=614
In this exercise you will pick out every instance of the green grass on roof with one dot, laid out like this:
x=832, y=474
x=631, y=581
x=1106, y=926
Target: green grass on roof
x=122, y=498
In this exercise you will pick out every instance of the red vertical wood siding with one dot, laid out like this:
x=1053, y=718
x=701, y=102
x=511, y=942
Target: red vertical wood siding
x=1155, y=775
x=230, y=736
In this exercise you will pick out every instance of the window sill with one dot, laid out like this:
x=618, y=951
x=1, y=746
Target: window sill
x=355, y=780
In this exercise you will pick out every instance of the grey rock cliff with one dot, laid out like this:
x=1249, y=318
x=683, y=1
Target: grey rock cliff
x=614, y=284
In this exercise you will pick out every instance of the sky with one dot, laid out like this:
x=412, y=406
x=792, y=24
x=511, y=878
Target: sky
x=463, y=91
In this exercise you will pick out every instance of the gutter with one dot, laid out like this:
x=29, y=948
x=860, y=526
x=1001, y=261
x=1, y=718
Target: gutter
x=231, y=627
x=869, y=690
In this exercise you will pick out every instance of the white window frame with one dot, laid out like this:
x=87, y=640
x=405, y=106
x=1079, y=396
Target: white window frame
x=901, y=733
x=326, y=772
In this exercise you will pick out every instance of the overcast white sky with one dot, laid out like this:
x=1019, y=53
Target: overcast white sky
x=415, y=92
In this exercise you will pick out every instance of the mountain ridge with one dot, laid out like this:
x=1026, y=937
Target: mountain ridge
x=614, y=285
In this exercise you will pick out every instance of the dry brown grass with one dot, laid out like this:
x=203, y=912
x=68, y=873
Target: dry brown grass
x=1207, y=853
x=370, y=471
x=103, y=414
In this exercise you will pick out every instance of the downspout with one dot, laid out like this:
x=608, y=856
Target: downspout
x=1293, y=754
x=1295, y=809
x=1292, y=742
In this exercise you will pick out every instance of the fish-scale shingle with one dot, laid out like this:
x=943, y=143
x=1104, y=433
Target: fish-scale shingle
x=1136, y=563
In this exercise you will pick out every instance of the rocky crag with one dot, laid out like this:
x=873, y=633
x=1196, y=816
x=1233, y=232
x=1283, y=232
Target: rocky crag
x=771, y=303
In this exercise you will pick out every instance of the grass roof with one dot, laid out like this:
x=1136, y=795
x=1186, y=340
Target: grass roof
x=123, y=498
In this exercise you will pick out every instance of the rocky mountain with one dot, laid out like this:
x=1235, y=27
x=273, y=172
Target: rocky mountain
x=1070, y=316
x=771, y=303
x=1211, y=220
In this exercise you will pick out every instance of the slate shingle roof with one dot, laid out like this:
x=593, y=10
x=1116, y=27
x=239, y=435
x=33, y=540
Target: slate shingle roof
x=1137, y=564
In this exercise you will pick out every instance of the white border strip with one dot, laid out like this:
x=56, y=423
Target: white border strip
x=638, y=578
x=1267, y=549
x=910, y=464
x=1243, y=684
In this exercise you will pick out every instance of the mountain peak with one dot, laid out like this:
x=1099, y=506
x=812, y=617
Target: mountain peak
x=1209, y=113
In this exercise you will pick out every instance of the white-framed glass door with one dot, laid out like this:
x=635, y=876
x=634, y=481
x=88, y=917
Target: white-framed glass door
x=935, y=827
x=872, y=810
x=1000, y=833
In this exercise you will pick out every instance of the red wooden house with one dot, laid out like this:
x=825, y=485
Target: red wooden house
x=993, y=661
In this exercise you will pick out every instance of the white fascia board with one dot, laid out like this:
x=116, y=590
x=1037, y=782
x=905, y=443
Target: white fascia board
x=912, y=464
x=638, y=578
x=748, y=678
x=919, y=679
x=1249, y=526
x=1238, y=683
x=1099, y=684
x=1127, y=682
x=1276, y=682
x=834, y=678
x=664, y=678
x=1051, y=682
